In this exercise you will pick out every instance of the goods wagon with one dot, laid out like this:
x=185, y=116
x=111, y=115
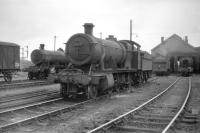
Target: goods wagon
x=9, y=59
x=161, y=65
x=102, y=65
x=44, y=62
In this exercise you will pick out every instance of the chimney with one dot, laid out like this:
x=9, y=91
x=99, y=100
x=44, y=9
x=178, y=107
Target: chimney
x=186, y=39
x=88, y=27
x=41, y=46
x=162, y=39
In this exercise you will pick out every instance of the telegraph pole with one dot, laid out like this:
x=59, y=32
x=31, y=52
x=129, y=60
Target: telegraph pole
x=131, y=30
x=54, y=43
x=22, y=53
x=100, y=35
x=27, y=51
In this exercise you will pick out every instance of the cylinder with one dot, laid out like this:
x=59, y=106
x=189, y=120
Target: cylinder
x=83, y=49
x=40, y=56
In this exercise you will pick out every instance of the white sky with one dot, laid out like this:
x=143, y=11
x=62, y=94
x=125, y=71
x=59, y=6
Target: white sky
x=31, y=22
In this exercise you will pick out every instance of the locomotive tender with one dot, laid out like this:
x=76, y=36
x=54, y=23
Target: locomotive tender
x=44, y=61
x=9, y=59
x=99, y=66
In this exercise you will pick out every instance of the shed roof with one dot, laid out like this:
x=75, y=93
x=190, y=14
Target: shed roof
x=174, y=45
x=8, y=44
x=197, y=49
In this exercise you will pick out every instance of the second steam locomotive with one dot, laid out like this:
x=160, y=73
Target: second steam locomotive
x=98, y=66
x=44, y=61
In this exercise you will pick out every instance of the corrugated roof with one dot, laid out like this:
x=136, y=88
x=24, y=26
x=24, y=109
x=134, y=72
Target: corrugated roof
x=174, y=44
x=9, y=44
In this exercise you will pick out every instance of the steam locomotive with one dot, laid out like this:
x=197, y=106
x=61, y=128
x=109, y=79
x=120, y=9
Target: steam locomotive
x=44, y=62
x=99, y=66
x=185, y=66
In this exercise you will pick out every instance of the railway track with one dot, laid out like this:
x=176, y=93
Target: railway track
x=26, y=98
x=190, y=118
x=156, y=115
x=38, y=112
x=22, y=83
x=21, y=115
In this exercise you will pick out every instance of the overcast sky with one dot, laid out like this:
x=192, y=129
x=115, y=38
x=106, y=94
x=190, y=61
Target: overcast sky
x=31, y=22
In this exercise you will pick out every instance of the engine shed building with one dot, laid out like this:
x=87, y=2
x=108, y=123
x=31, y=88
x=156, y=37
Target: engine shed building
x=177, y=50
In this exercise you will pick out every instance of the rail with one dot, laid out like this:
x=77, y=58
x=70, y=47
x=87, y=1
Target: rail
x=29, y=106
x=23, y=84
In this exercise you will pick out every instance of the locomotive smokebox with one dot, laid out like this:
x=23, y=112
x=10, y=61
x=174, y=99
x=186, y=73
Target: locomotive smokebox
x=88, y=28
x=84, y=49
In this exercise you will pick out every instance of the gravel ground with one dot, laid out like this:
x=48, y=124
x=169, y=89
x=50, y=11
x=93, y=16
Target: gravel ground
x=101, y=111
x=18, y=76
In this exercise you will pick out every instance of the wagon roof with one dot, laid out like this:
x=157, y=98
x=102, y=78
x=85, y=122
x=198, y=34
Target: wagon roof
x=8, y=44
